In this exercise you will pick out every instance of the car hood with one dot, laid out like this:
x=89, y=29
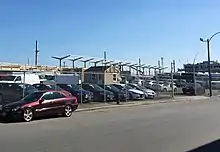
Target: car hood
x=87, y=92
x=15, y=104
x=136, y=91
x=83, y=91
x=109, y=92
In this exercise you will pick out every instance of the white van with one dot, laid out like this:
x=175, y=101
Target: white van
x=20, y=78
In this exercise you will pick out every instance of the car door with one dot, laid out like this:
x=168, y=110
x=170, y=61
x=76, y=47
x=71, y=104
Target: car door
x=46, y=104
x=59, y=102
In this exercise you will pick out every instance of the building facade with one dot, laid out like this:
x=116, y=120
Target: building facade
x=202, y=67
x=102, y=75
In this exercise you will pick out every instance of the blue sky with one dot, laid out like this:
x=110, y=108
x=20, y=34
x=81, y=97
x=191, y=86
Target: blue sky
x=127, y=29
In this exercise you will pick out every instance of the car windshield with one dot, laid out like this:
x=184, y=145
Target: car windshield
x=33, y=97
x=141, y=87
x=128, y=87
x=119, y=87
x=55, y=87
x=28, y=87
x=113, y=88
x=75, y=87
x=96, y=87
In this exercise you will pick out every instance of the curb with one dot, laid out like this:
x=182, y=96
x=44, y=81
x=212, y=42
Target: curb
x=135, y=104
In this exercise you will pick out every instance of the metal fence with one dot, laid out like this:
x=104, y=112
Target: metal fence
x=94, y=86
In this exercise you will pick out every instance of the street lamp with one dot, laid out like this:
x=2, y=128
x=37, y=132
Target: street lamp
x=73, y=60
x=60, y=59
x=209, y=67
x=87, y=60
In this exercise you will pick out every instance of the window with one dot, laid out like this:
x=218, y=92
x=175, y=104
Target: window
x=48, y=96
x=58, y=95
x=93, y=76
x=7, y=78
x=18, y=78
x=114, y=77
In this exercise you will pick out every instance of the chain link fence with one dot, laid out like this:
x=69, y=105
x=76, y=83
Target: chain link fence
x=98, y=85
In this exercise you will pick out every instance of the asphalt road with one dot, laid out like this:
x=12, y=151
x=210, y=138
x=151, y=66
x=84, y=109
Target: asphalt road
x=172, y=127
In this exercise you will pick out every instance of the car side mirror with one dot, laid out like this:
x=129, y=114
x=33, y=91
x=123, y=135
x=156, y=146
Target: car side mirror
x=41, y=100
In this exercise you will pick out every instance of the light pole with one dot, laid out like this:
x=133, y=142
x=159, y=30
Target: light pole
x=60, y=59
x=209, y=67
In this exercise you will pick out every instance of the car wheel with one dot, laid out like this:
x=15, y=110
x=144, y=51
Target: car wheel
x=68, y=110
x=165, y=90
x=28, y=114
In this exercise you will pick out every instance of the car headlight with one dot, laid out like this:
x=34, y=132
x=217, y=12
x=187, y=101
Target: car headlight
x=86, y=96
x=16, y=109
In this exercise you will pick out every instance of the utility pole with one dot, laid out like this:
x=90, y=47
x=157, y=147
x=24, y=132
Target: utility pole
x=172, y=69
x=174, y=66
x=159, y=66
x=36, y=54
x=162, y=64
x=139, y=68
x=105, y=56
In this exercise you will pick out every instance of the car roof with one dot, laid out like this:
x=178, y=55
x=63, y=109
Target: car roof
x=44, y=91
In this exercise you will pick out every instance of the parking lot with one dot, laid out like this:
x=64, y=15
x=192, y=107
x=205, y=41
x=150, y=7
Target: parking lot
x=26, y=95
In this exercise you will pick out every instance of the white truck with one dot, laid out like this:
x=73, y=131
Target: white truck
x=20, y=78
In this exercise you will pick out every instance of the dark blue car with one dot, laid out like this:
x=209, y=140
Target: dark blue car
x=78, y=92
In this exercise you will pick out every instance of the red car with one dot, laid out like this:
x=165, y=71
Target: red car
x=40, y=103
x=49, y=87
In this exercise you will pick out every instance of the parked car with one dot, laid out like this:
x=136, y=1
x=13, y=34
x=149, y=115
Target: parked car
x=148, y=92
x=216, y=85
x=168, y=87
x=50, y=87
x=149, y=83
x=133, y=93
x=189, y=89
x=99, y=93
x=77, y=91
x=40, y=103
x=155, y=87
x=10, y=92
x=119, y=94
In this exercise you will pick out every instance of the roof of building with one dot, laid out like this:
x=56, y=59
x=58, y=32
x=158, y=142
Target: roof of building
x=97, y=68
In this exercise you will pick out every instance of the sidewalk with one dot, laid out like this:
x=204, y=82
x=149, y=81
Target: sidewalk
x=98, y=105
